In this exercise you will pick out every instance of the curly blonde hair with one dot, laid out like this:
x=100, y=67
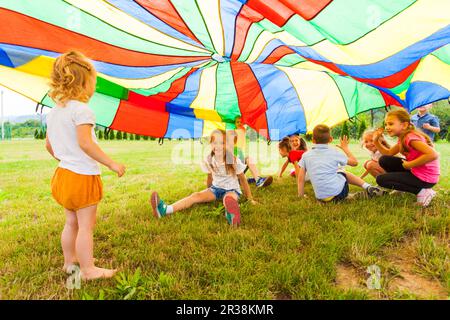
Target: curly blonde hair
x=72, y=78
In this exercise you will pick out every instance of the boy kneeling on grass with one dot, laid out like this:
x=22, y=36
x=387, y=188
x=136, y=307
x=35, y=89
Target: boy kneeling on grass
x=323, y=163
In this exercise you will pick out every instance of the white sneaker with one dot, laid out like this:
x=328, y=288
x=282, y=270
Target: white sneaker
x=425, y=196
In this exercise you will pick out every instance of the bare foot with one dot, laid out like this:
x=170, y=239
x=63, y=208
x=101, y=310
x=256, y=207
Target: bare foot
x=69, y=267
x=97, y=273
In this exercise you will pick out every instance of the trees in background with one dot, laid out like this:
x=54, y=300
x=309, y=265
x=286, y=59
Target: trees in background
x=362, y=128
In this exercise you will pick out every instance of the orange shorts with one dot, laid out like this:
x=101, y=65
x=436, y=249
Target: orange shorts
x=76, y=191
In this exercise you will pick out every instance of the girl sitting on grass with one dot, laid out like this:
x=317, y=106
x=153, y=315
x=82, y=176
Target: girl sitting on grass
x=76, y=184
x=420, y=171
x=225, y=172
x=372, y=166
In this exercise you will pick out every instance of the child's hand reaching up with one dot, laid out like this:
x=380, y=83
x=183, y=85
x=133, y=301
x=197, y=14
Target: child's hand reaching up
x=378, y=134
x=118, y=168
x=344, y=143
x=352, y=161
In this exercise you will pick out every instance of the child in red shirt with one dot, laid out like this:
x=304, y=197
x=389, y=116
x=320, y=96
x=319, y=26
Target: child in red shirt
x=286, y=149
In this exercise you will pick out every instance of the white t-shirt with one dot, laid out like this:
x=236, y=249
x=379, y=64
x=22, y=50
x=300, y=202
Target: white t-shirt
x=62, y=135
x=220, y=178
x=375, y=155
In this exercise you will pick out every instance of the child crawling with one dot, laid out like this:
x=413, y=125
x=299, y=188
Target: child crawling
x=225, y=173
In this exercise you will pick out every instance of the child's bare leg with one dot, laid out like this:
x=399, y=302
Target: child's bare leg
x=196, y=197
x=85, y=245
x=252, y=167
x=354, y=180
x=232, y=194
x=68, y=239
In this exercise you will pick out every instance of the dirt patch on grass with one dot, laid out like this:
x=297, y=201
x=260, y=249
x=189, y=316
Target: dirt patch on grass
x=283, y=296
x=347, y=277
x=403, y=259
x=419, y=286
x=401, y=275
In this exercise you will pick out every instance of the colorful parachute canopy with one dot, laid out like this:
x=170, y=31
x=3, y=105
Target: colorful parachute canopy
x=179, y=68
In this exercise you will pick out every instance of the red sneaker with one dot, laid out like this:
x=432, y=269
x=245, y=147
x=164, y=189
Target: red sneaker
x=232, y=210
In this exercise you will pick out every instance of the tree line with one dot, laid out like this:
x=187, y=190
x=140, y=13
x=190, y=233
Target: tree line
x=353, y=128
x=119, y=135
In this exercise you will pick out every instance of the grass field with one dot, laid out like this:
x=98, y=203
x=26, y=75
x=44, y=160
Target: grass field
x=286, y=248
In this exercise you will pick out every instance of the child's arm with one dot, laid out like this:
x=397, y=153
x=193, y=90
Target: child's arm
x=296, y=167
x=49, y=148
x=377, y=138
x=434, y=129
x=84, y=135
x=246, y=187
x=352, y=161
x=283, y=168
x=428, y=154
x=301, y=181
x=209, y=180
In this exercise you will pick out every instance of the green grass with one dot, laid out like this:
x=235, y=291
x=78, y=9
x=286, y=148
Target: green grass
x=285, y=248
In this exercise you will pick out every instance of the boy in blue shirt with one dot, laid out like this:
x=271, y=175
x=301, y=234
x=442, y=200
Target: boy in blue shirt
x=323, y=164
x=426, y=121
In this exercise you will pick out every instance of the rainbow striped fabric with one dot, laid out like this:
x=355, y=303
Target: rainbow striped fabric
x=179, y=68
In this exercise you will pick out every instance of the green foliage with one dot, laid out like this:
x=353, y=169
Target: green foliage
x=308, y=137
x=131, y=136
x=106, y=135
x=138, y=137
x=41, y=134
x=125, y=136
x=362, y=128
x=441, y=109
x=448, y=136
x=87, y=296
x=130, y=286
x=25, y=129
x=345, y=131
x=100, y=134
x=112, y=135
x=437, y=137
x=145, y=137
x=119, y=135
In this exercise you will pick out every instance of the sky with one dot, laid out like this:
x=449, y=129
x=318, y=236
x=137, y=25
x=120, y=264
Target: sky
x=15, y=104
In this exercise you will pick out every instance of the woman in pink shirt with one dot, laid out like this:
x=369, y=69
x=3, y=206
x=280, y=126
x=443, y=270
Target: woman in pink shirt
x=419, y=172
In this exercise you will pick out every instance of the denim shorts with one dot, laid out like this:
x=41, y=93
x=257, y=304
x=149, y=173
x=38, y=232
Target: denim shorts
x=343, y=194
x=219, y=193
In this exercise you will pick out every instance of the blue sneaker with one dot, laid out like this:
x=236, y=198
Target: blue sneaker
x=264, y=182
x=158, y=205
x=232, y=210
x=251, y=180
